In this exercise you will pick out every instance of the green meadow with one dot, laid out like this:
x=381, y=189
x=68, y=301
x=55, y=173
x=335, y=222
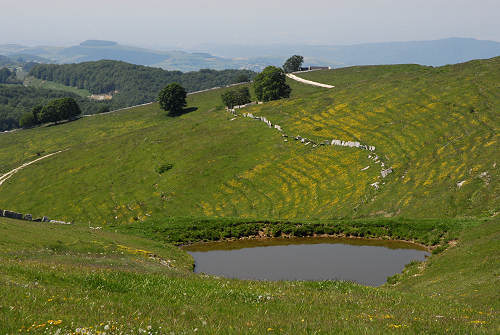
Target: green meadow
x=137, y=182
x=82, y=280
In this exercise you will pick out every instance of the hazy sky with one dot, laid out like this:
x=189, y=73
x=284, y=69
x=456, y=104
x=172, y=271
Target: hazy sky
x=185, y=24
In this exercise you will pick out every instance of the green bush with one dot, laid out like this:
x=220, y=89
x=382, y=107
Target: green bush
x=164, y=168
x=27, y=120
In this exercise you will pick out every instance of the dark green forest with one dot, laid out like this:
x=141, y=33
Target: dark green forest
x=133, y=84
x=16, y=100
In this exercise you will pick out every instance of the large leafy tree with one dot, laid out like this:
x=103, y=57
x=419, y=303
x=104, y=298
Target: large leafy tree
x=271, y=84
x=293, y=63
x=59, y=109
x=172, y=98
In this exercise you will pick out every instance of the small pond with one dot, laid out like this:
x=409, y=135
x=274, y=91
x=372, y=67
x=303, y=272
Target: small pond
x=368, y=262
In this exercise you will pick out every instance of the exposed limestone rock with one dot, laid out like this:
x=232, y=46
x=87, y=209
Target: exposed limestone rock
x=386, y=172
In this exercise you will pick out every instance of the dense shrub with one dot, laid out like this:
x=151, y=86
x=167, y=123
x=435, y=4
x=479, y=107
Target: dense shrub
x=164, y=168
x=236, y=97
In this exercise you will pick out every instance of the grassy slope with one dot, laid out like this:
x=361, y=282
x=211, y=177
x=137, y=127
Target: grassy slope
x=38, y=83
x=242, y=168
x=113, y=159
x=71, y=277
x=419, y=118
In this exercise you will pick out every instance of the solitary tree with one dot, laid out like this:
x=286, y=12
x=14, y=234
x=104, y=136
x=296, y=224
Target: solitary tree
x=293, y=63
x=172, y=98
x=271, y=84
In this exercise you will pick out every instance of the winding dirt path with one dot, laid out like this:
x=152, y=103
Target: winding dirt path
x=308, y=82
x=9, y=174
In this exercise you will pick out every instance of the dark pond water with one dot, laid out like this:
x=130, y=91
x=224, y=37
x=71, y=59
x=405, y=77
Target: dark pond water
x=367, y=262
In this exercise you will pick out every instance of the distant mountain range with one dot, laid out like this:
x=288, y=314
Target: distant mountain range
x=256, y=57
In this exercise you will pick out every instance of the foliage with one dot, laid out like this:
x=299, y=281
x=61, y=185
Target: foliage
x=103, y=109
x=172, y=98
x=28, y=120
x=236, y=97
x=17, y=100
x=5, y=74
x=58, y=110
x=164, y=168
x=293, y=64
x=271, y=84
x=132, y=84
x=182, y=230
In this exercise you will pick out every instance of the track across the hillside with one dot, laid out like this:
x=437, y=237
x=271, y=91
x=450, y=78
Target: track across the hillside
x=9, y=174
x=308, y=82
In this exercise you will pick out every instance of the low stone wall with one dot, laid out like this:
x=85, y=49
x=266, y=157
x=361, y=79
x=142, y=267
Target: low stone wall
x=28, y=217
x=384, y=172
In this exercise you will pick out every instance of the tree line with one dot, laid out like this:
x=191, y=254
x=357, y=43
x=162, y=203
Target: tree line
x=133, y=84
x=18, y=100
x=54, y=111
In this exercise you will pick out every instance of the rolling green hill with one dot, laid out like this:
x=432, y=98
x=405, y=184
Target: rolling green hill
x=436, y=127
x=233, y=176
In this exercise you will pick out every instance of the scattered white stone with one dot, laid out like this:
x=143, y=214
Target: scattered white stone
x=386, y=172
x=375, y=185
x=365, y=168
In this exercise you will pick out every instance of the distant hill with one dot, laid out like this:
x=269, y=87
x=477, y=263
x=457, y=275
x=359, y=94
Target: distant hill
x=256, y=57
x=95, y=50
x=433, y=53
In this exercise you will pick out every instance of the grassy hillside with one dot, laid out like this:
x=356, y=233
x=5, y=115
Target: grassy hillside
x=79, y=279
x=116, y=269
x=436, y=127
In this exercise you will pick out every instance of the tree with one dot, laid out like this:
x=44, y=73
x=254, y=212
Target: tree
x=172, y=98
x=28, y=120
x=293, y=63
x=59, y=109
x=242, y=78
x=36, y=111
x=239, y=96
x=5, y=73
x=271, y=84
x=103, y=109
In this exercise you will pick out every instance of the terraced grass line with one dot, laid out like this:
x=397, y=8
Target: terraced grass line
x=384, y=171
x=437, y=127
x=9, y=174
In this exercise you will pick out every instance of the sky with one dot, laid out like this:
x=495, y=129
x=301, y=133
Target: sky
x=164, y=24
